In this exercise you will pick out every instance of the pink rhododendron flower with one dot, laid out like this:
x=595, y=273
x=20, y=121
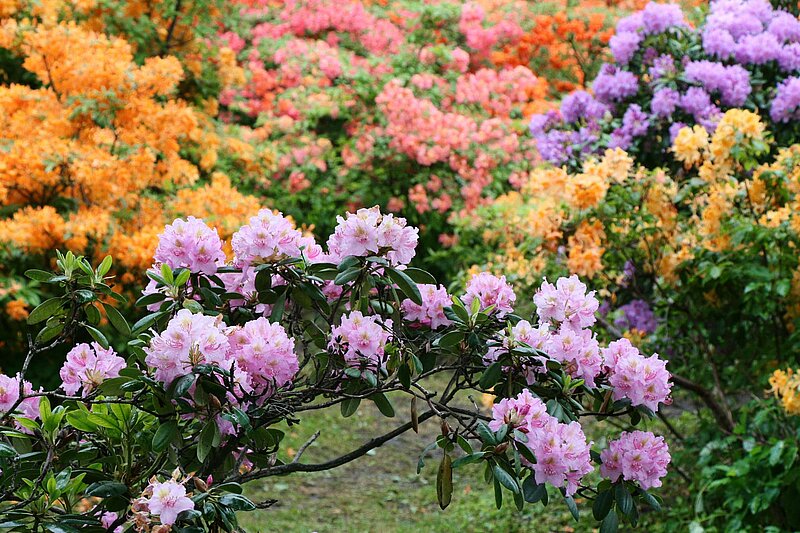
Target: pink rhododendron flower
x=490, y=291
x=643, y=380
x=189, y=339
x=368, y=232
x=268, y=237
x=561, y=451
x=431, y=312
x=168, y=501
x=87, y=366
x=578, y=352
x=566, y=301
x=190, y=244
x=522, y=333
x=636, y=456
x=362, y=339
x=264, y=350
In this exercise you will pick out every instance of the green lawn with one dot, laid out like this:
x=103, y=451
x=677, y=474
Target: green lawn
x=381, y=491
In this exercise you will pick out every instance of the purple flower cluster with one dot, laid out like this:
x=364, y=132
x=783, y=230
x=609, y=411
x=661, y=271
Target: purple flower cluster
x=786, y=105
x=731, y=82
x=753, y=33
x=614, y=85
x=636, y=315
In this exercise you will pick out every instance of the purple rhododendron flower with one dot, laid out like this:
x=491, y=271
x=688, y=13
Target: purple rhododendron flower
x=786, y=105
x=657, y=18
x=731, y=82
x=664, y=102
x=636, y=315
x=623, y=46
x=718, y=42
x=581, y=105
x=612, y=85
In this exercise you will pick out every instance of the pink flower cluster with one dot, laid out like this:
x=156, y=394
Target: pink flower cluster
x=490, y=291
x=362, y=339
x=566, y=302
x=260, y=353
x=643, y=380
x=87, y=366
x=569, y=310
x=431, y=312
x=9, y=395
x=368, y=232
x=429, y=135
x=561, y=451
x=637, y=456
x=190, y=244
x=270, y=237
x=168, y=500
x=481, y=38
x=522, y=333
x=265, y=352
x=189, y=340
x=497, y=91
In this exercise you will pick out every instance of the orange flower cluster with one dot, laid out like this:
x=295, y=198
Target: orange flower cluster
x=565, y=43
x=98, y=158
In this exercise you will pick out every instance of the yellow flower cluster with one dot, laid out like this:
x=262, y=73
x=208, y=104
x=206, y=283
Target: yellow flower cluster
x=785, y=385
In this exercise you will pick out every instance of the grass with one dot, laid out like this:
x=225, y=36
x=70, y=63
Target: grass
x=382, y=492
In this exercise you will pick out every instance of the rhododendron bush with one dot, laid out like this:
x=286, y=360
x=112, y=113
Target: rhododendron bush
x=99, y=150
x=667, y=74
x=162, y=433
x=419, y=107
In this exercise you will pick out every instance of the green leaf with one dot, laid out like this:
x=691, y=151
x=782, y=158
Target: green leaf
x=405, y=284
x=532, y=491
x=44, y=310
x=420, y=276
x=104, y=266
x=573, y=508
x=449, y=339
x=468, y=459
x=602, y=505
x=486, y=434
x=610, y=523
x=107, y=489
x=98, y=336
x=237, y=502
x=444, y=482
x=491, y=375
x=117, y=320
x=383, y=403
x=210, y=438
x=150, y=299
x=165, y=434
x=50, y=332
x=38, y=275
x=506, y=479
x=343, y=278
x=624, y=499
x=349, y=406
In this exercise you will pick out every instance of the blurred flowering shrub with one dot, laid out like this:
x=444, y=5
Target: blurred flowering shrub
x=418, y=107
x=668, y=74
x=98, y=149
x=702, y=259
x=160, y=433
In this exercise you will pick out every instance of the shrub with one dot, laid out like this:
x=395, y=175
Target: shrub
x=165, y=437
x=667, y=74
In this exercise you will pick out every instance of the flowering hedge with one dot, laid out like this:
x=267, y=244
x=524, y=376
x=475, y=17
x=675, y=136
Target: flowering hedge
x=164, y=437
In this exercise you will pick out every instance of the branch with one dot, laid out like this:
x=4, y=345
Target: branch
x=339, y=461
